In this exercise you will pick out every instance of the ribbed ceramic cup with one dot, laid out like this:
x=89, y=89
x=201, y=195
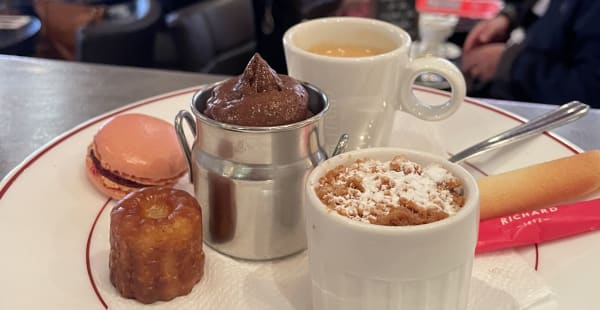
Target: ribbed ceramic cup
x=356, y=265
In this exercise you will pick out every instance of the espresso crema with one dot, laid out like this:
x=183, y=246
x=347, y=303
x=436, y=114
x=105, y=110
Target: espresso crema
x=346, y=50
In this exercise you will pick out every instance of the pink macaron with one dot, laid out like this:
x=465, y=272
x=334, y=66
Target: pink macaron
x=132, y=151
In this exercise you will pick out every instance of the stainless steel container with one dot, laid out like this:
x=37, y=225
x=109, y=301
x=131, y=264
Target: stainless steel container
x=250, y=180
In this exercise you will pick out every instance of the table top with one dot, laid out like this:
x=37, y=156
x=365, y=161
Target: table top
x=40, y=99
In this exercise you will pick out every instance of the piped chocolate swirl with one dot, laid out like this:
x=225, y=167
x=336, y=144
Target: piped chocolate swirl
x=259, y=97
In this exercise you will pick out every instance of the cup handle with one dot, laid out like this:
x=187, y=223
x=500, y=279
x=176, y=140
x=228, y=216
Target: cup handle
x=189, y=118
x=411, y=104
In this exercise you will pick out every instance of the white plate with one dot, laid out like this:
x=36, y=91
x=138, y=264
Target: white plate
x=54, y=225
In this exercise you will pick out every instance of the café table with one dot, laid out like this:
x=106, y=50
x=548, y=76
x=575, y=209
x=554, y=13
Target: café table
x=40, y=99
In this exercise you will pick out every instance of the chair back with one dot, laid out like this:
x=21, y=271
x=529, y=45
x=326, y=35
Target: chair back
x=122, y=41
x=214, y=36
x=20, y=41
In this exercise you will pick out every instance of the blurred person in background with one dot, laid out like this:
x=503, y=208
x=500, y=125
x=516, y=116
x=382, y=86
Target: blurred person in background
x=545, y=51
x=272, y=18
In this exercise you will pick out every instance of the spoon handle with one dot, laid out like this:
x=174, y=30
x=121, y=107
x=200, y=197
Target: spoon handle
x=341, y=146
x=565, y=114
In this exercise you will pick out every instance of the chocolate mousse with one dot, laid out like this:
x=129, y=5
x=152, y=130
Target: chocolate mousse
x=259, y=97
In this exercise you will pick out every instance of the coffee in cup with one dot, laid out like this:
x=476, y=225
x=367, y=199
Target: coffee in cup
x=345, y=50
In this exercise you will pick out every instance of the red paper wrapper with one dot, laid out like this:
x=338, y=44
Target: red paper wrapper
x=477, y=9
x=538, y=226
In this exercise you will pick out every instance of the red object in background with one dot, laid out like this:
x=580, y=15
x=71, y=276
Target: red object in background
x=538, y=226
x=475, y=9
x=357, y=8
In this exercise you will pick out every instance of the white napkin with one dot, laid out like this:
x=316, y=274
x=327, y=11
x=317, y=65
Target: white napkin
x=504, y=281
x=501, y=281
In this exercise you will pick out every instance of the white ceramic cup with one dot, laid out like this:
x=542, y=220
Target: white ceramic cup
x=355, y=265
x=364, y=92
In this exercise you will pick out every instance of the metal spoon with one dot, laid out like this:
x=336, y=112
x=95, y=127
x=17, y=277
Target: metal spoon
x=341, y=146
x=565, y=114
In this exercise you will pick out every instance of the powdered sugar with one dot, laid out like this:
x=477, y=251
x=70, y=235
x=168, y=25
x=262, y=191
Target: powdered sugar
x=369, y=190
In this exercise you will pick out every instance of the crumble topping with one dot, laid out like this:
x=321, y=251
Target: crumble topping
x=394, y=193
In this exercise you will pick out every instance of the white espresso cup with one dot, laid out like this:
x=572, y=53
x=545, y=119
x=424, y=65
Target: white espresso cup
x=364, y=92
x=356, y=265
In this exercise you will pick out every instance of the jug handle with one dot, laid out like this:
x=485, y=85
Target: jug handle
x=340, y=147
x=189, y=118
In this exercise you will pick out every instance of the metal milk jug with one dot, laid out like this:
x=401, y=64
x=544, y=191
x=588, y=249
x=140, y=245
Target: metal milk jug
x=250, y=180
